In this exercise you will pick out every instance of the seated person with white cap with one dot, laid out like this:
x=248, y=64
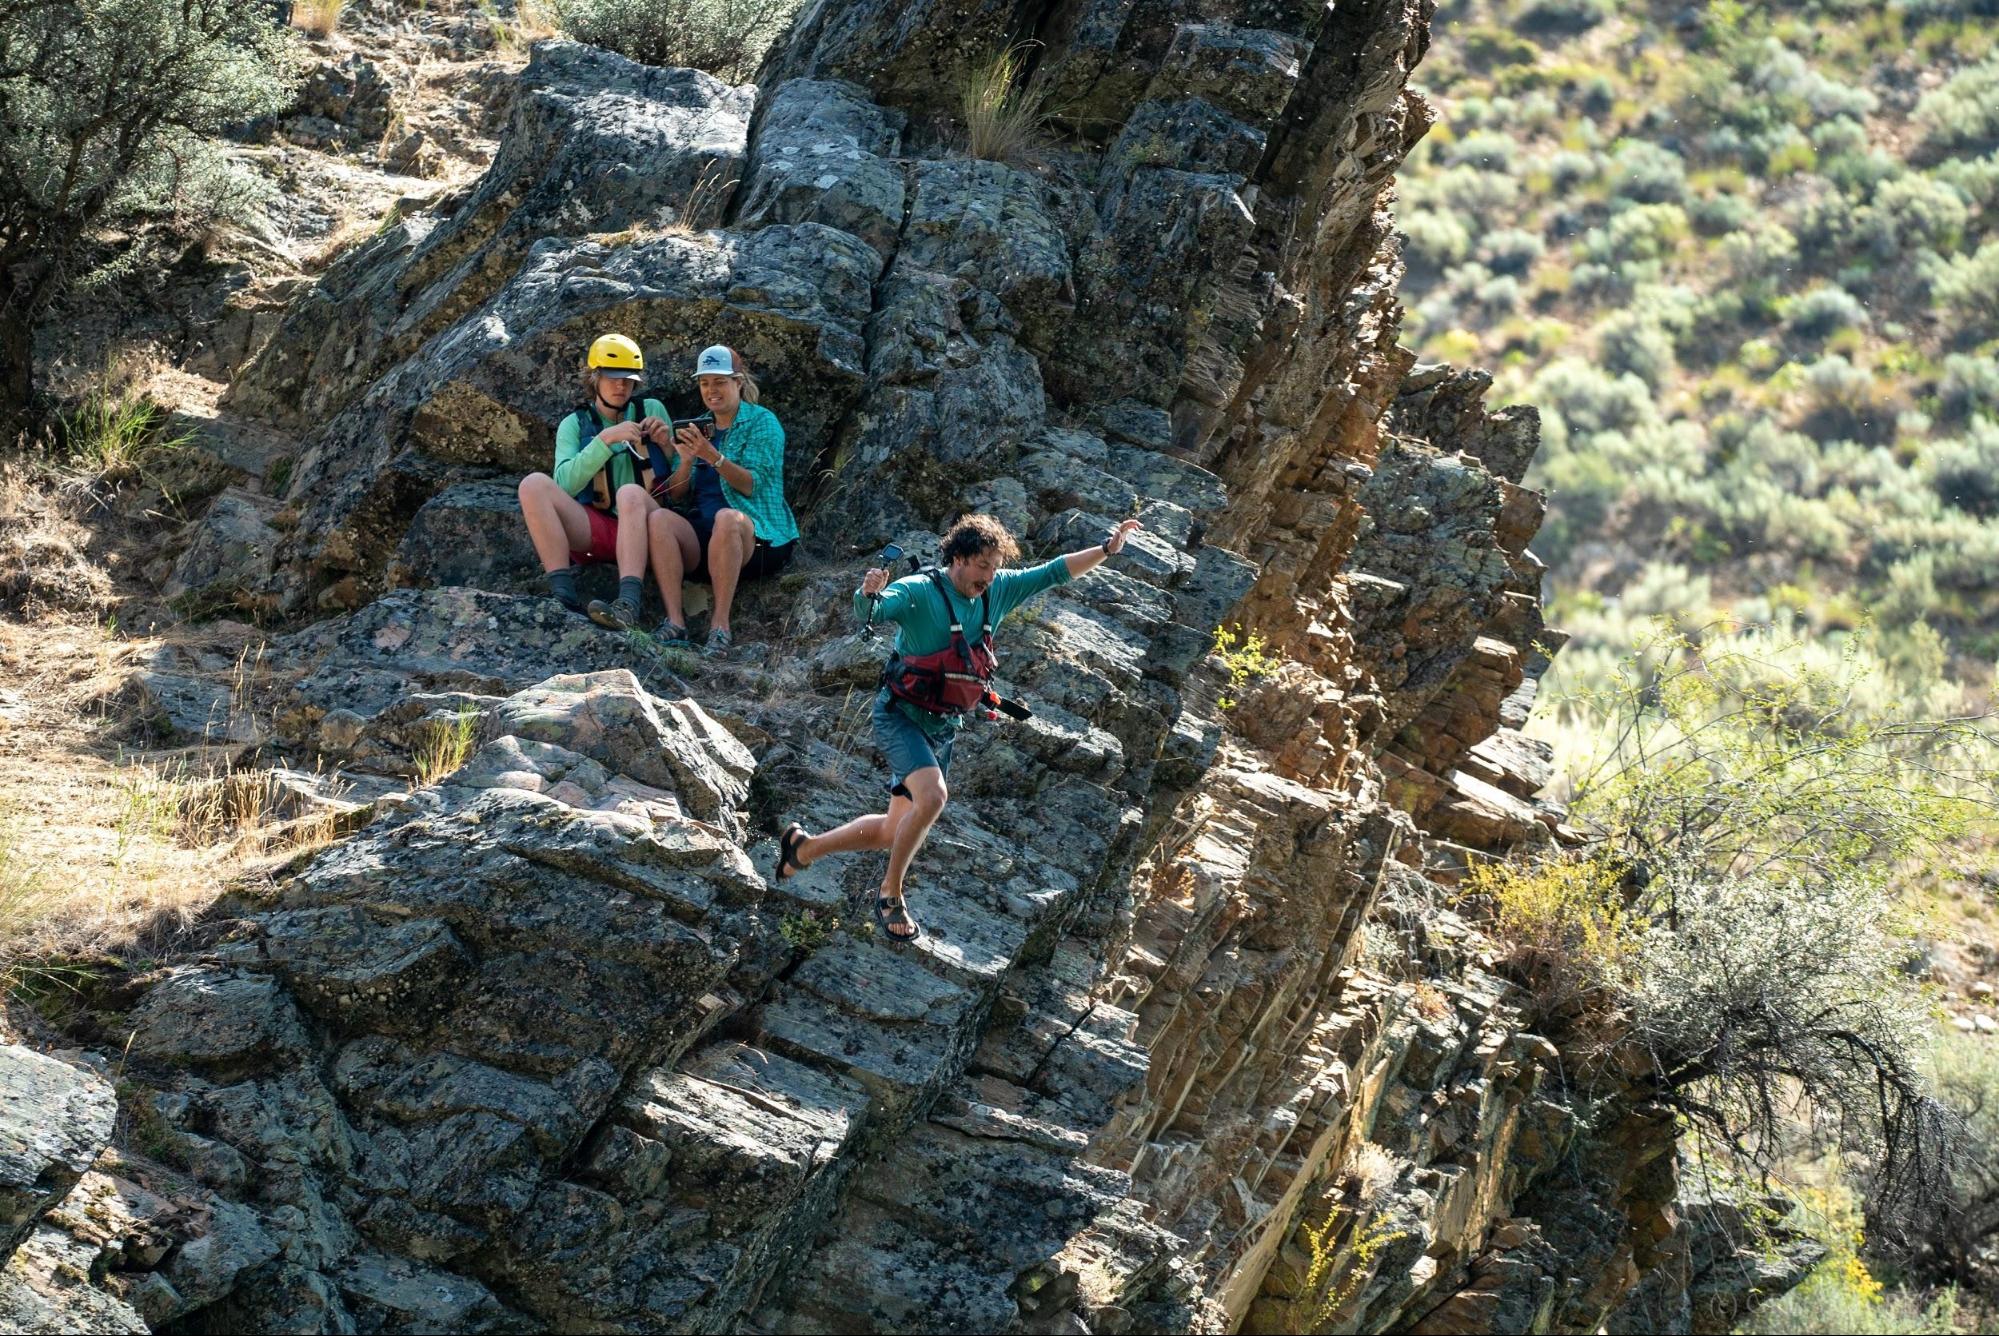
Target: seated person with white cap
x=730, y=472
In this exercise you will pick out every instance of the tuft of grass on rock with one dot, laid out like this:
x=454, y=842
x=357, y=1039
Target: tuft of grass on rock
x=1004, y=114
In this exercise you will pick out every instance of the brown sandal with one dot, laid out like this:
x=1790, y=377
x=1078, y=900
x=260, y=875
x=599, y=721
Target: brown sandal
x=788, y=841
x=896, y=912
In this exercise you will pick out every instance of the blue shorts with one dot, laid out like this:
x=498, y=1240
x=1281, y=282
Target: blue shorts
x=905, y=745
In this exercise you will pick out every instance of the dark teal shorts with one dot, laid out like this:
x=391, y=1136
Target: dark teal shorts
x=905, y=745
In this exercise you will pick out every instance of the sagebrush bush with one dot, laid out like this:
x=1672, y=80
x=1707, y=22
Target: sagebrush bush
x=1752, y=792
x=1511, y=250
x=1646, y=232
x=1914, y=212
x=1437, y=240
x=1633, y=344
x=1645, y=173
x=110, y=119
x=727, y=38
x=1969, y=386
x=1965, y=471
x=1819, y=314
x=1588, y=399
x=1487, y=150
x=1964, y=113
x=1966, y=289
x=1563, y=16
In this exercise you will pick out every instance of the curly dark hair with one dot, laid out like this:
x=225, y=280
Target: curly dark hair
x=976, y=535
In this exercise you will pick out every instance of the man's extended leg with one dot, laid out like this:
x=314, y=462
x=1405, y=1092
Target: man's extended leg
x=876, y=831
x=927, y=797
x=674, y=548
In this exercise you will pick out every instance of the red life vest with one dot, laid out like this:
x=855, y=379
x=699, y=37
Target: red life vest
x=955, y=679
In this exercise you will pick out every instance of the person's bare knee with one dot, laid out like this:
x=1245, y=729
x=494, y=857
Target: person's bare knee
x=734, y=533
x=534, y=490
x=633, y=499
x=927, y=792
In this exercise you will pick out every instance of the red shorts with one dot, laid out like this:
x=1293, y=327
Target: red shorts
x=603, y=540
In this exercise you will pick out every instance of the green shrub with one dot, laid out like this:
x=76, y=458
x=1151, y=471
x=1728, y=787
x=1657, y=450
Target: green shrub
x=1969, y=386
x=1842, y=134
x=1486, y=47
x=1631, y=344
x=727, y=38
x=1823, y=312
x=1966, y=289
x=1977, y=179
x=1511, y=250
x=1795, y=90
x=1487, y=150
x=1646, y=232
x=1963, y=115
x=1719, y=215
x=109, y=118
x=1952, y=1245
x=1645, y=173
x=1847, y=402
x=1589, y=399
x=1437, y=240
x=1755, y=790
x=1965, y=471
x=1569, y=168
x=1914, y=212
x=1565, y=17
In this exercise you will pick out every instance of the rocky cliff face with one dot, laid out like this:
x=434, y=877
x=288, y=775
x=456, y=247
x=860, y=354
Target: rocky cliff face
x=1193, y=1040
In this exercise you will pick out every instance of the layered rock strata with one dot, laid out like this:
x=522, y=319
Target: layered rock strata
x=1193, y=1040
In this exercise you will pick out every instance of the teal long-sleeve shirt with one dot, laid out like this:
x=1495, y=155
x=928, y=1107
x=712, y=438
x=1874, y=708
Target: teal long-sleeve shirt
x=922, y=626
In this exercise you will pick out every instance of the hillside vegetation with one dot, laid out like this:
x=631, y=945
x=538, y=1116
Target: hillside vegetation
x=1743, y=261
x=1742, y=258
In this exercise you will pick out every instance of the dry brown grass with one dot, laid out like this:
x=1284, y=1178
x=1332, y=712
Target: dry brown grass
x=103, y=851
x=317, y=18
x=1005, y=115
x=44, y=569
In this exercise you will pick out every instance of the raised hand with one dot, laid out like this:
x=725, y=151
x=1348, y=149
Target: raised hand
x=874, y=581
x=1114, y=543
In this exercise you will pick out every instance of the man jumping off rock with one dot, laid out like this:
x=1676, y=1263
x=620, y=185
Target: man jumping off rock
x=936, y=676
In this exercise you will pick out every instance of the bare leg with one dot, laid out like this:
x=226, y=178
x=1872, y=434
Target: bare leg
x=926, y=788
x=557, y=522
x=876, y=831
x=674, y=548
x=635, y=508
x=728, y=548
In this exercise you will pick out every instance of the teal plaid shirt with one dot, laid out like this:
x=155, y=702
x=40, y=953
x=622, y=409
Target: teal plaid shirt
x=756, y=441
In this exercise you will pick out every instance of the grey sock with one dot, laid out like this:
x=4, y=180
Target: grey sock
x=631, y=588
x=562, y=584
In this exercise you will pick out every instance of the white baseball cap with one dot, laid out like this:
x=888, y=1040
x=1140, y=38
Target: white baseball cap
x=715, y=360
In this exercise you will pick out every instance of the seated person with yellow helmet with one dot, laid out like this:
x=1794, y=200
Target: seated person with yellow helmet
x=595, y=507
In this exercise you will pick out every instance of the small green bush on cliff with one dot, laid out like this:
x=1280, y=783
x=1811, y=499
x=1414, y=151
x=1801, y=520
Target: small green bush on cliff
x=727, y=38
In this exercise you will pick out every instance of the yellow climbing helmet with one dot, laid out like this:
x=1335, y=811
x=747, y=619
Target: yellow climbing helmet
x=615, y=352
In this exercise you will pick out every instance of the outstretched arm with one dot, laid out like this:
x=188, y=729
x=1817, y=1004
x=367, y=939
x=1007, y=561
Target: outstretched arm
x=1090, y=558
x=877, y=600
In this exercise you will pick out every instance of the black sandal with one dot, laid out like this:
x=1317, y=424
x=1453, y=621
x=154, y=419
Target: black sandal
x=788, y=841
x=888, y=911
